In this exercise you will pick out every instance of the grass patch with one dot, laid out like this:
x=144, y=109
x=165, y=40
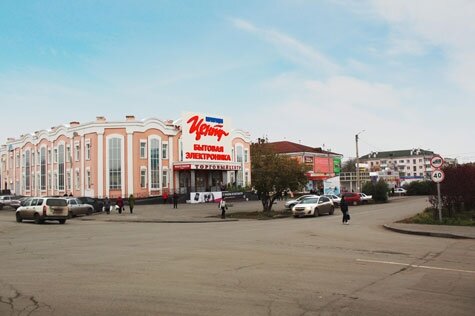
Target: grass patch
x=427, y=217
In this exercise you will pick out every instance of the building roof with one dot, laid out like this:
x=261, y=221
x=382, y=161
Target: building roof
x=286, y=147
x=397, y=154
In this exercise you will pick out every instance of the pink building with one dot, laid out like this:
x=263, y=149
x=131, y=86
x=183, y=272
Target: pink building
x=196, y=153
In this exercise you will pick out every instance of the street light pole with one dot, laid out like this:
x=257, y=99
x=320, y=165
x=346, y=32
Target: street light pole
x=357, y=163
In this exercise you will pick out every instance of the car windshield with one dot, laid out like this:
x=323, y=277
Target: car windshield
x=56, y=202
x=309, y=201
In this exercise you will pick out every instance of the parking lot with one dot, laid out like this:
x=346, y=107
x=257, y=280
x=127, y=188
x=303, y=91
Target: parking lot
x=200, y=265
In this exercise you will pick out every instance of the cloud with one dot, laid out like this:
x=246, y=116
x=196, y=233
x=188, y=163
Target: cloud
x=293, y=49
x=418, y=26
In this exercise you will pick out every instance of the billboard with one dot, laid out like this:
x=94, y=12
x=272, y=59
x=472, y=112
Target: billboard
x=323, y=165
x=206, y=138
x=331, y=186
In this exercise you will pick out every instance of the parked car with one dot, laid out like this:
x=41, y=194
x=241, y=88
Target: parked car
x=365, y=198
x=400, y=191
x=43, y=209
x=291, y=203
x=335, y=199
x=9, y=200
x=97, y=204
x=352, y=198
x=313, y=206
x=76, y=207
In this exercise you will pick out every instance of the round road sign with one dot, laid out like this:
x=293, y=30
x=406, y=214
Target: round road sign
x=437, y=176
x=436, y=162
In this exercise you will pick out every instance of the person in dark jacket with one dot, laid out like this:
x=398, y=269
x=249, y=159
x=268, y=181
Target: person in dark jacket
x=344, y=210
x=131, y=203
x=120, y=204
x=107, y=205
x=175, y=200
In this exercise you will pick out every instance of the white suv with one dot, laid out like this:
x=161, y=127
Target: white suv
x=41, y=209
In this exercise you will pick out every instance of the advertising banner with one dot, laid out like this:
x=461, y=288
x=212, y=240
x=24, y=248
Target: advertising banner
x=323, y=165
x=206, y=197
x=337, y=165
x=332, y=186
x=206, y=138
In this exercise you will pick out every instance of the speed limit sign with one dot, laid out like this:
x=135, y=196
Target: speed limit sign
x=437, y=176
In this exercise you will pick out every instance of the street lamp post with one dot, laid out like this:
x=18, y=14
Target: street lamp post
x=357, y=162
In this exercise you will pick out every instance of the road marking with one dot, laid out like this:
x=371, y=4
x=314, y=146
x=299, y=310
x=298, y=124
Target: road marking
x=415, y=265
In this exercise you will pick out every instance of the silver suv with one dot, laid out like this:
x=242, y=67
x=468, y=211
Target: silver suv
x=9, y=200
x=42, y=209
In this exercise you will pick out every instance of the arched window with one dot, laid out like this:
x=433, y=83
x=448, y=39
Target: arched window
x=27, y=170
x=154, y=163
x=115, y=163
x=240, y=158
x=61, y=167
x=43, y=169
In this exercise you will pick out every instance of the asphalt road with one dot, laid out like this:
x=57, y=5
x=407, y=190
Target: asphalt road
x=307, y=266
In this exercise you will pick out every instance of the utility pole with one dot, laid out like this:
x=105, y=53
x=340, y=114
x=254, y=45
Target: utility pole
x=357, y=163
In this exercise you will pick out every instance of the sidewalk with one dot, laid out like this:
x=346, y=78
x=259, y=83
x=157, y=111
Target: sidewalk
x=445, y=231
x=185, y=213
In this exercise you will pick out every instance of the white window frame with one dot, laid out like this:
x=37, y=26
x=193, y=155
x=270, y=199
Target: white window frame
x=77, y=179
x=88, y=149
x=143, y=169
x=164, y=150
x=77, y=151
x=88, y=178
x=143, y=155
x=68, y=153
x=122, y=163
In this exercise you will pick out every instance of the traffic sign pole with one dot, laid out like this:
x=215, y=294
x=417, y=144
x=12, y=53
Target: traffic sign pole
x=439, y=202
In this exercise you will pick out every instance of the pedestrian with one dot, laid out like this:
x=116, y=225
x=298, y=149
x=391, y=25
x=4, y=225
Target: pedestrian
x=223, y=207
x=120, y=204
x=344, y=210
x=175, y=200
x=165, y=197
x=131, y=203
x=107, y=205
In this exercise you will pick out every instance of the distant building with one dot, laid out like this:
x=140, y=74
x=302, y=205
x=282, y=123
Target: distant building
x=322, y=164
x=409, y=164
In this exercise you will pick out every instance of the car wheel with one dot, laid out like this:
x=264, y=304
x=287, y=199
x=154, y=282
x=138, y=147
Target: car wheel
x=89, y=212
x=70, y=214
x=62, y=221
x=37, y=219
x=315, y=212
x=332, y=210
x=355, y=203
x=18, y=218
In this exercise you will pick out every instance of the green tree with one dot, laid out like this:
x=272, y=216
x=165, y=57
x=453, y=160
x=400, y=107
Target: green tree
x=272, y=174
x=349, y=166
x=378, y=190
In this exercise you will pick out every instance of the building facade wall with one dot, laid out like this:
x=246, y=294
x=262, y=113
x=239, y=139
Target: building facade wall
x=104, y=158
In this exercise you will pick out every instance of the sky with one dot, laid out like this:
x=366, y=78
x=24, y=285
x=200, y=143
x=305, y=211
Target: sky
x=399, y=73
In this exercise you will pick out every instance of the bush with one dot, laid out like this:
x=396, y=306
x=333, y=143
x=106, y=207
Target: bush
x=457, y=190
x=420, y=188
x=378, y=190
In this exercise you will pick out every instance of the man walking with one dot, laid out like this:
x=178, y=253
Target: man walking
x=223, y=207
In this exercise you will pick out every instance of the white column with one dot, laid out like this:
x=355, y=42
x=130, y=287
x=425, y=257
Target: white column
x=130, y=164
x=100, y=165
x=82, y=158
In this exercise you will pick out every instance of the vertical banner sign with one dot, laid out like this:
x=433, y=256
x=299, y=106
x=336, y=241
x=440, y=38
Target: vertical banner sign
x=206, y=138
x=337, y=165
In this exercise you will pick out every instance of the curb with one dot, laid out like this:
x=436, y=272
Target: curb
x=425, y=233
x=164, y=221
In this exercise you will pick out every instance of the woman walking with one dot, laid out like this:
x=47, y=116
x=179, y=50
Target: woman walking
x=344, y=210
